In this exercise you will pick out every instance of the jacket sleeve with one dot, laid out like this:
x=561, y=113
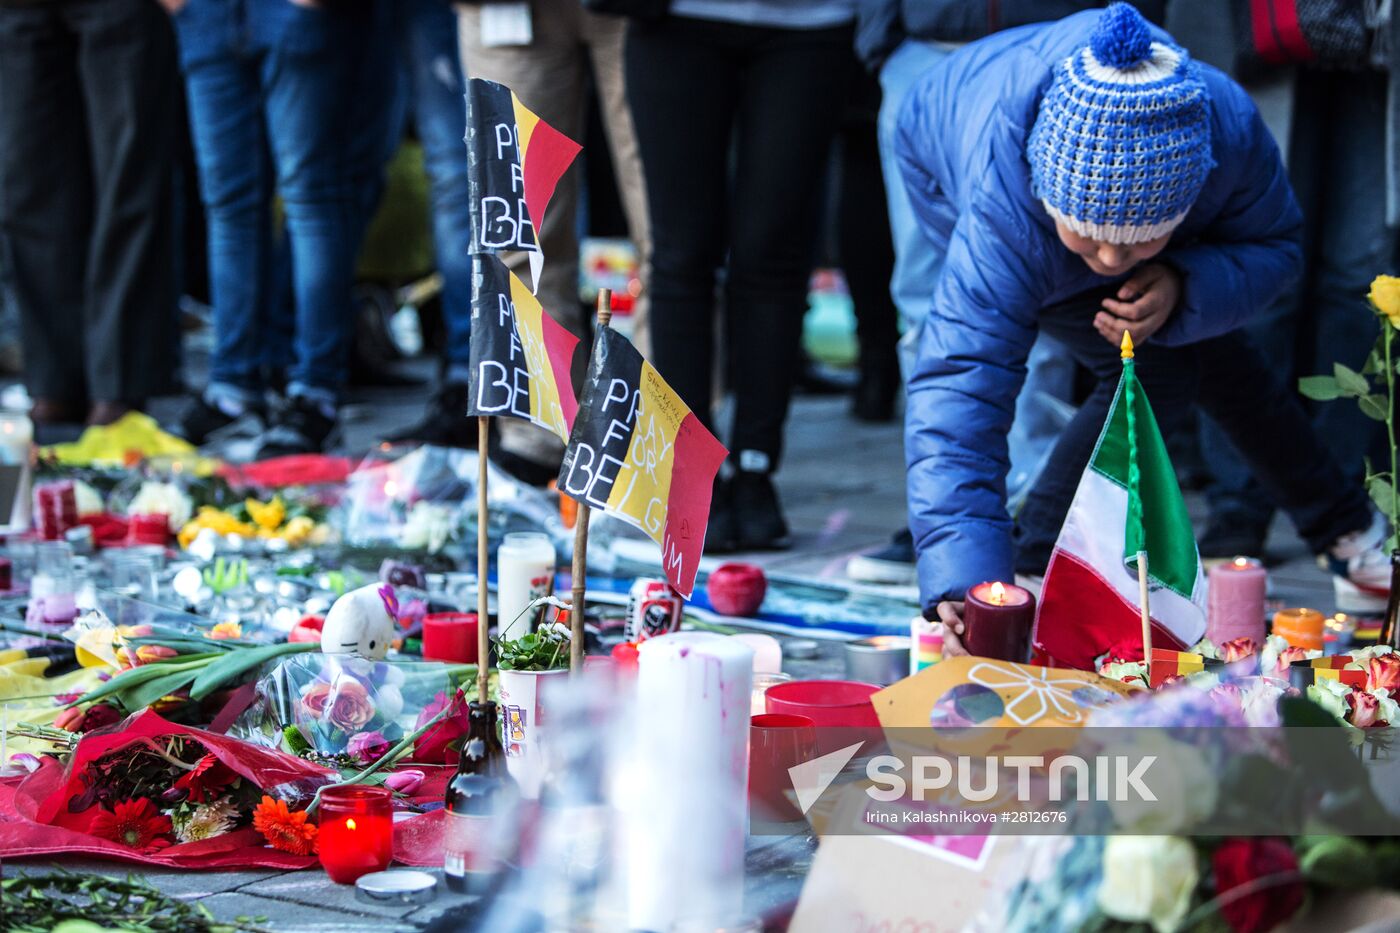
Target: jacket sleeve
x=962, y=395
x=1249, y=255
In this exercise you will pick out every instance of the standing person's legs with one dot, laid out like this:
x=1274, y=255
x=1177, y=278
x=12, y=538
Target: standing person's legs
x=794, y=91
x=127, y=67
x=1168, y=375
x=45, y=202
x=309, y=125
x=230, y=149
x=606, y=36
x=681, y=85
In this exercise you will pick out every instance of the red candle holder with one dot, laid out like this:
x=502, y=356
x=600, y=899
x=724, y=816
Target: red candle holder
x=997, y=620
x=356, y=834
x=450, y=636
x=148, y=529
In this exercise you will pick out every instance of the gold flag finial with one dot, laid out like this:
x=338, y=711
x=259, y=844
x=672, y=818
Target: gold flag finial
x=1127, y=345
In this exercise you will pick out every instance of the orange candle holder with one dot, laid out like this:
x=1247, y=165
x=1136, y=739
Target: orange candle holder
x=356, y=834
x=1301, y=628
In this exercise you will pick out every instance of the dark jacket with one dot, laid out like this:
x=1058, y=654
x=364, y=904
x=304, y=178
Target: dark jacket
x=882, y=24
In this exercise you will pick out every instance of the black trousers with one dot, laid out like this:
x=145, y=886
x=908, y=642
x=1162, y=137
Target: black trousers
x=734, y=124
x=88, y=174
x=1236, y=386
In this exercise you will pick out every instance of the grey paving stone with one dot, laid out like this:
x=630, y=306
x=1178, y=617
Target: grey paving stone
x=313, y=888
x=289, y=917
x=172, y=881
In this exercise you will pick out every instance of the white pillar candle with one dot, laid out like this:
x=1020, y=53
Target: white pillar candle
x=767, y=653
x=688, y=811
x=524, y=573
x=16, y=442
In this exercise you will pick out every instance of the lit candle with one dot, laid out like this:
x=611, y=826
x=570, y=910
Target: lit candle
x=997, y=621
x=16, y=442
x=524, y=573
x=356, y=834
x=687, y=812
x=1301, y=628
x=1236, y=601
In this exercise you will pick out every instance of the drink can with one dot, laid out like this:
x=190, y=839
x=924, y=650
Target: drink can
x=653, y=609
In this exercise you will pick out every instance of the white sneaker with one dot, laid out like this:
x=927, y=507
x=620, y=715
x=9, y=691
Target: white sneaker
x=892, y=565
x=1361, y=569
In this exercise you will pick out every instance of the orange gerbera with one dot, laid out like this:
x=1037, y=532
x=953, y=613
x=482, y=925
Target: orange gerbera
x=135, y=823
x=284, y=829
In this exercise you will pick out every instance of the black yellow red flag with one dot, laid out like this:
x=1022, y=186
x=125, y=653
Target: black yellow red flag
x=520, y=356
x=637, y=452
x=515, y=160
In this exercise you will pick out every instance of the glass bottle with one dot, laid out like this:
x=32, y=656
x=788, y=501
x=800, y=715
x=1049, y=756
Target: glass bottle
x=481, y=806
x=1390, y=627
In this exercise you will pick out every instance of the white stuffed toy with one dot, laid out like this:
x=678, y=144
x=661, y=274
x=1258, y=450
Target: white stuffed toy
x=361, y=622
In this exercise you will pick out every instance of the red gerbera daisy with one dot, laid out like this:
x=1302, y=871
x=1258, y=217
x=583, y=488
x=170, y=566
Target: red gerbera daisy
x=210, y=775
x=135, y=823
x=284, y=829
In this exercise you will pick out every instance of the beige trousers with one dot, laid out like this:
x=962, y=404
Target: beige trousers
x=549, y=77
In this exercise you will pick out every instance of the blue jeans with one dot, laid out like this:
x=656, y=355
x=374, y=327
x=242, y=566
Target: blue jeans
x=917, y=264
x=269, y=112
x=426, y=33
x=1235, y=385
x=1337, y=164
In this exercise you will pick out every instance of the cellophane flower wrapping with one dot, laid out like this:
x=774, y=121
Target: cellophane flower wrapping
x=344, y=708
x=426, y=501
x=70, y=808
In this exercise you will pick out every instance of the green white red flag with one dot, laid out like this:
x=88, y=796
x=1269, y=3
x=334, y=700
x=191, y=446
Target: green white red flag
x=1128, y=501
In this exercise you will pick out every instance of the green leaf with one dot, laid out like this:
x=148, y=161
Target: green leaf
x=155, y=688
x=1319, y=388
x=128, y=680
x=1351, y=382
x=1374, y=406
x=1382, y=494
x=237, y=663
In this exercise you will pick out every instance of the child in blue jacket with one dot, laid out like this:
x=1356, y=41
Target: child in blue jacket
x=1087, y=177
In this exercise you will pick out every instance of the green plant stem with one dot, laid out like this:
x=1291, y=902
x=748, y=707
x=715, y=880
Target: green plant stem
x=1390, y=423
x=387, y=758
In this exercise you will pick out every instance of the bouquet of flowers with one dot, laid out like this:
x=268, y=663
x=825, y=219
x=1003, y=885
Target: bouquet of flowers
x=149, y=790
x=348, y=711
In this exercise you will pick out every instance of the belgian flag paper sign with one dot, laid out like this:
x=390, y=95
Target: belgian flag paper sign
x=639, y=453
x=515, y=160
x=521, y=356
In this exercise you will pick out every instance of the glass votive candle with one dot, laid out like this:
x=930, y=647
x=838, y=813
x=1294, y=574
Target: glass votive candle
x=356, y=834
x=758, y=706
x=450, y=636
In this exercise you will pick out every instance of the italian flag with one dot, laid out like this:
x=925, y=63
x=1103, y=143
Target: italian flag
x=1128, y=502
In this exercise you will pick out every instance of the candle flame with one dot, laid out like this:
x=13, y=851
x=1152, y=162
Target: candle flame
x=998, y=594
x=1241, y=562
x=350, y=823
x=391, y=489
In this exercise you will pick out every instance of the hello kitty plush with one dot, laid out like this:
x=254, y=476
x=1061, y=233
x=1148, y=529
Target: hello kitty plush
x=362, y=622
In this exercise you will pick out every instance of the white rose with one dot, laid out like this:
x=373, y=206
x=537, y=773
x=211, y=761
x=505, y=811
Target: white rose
x=1388, y=710
x=1148, y=879
x=1181, y=780
x=1331, y=695
x=89, y=500
x=163, y=499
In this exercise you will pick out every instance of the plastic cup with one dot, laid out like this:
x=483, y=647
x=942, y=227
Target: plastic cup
x=777, y=742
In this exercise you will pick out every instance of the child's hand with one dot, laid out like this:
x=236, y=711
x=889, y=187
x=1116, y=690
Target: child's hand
x=950, y=614
x=1142, y=305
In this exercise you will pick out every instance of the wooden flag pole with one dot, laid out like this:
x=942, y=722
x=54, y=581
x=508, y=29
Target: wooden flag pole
x=580, y=567
x=483, y=562
x=1146, y=613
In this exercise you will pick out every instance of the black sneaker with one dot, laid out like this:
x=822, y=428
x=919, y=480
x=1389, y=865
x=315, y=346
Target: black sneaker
x=298, y=427
x=1232, y=535
x=445, y=423
x=758, y=518
x=201, y=423
x=892, y=565
x=719, y=534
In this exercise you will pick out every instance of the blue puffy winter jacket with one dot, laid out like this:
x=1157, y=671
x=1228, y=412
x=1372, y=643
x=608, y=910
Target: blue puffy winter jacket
x=961, y=144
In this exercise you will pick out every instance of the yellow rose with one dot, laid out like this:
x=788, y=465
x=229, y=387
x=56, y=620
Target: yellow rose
x=1385, y=296
x=268, y=517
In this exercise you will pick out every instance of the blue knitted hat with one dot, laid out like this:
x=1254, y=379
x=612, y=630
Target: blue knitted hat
x=1121, y=146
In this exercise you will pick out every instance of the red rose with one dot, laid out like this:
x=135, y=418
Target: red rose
x=1245, y=861
x=94, y=717
x=1383, y=673
x=1365, y=709
x=1237, y=649
x=442, y=743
